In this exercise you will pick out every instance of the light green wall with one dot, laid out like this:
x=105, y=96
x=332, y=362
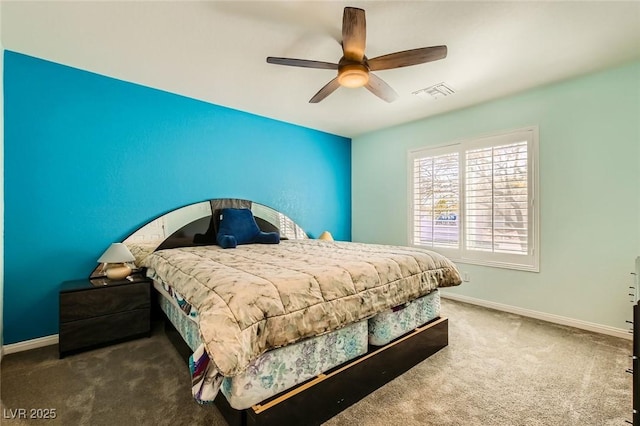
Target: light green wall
x=589, y=189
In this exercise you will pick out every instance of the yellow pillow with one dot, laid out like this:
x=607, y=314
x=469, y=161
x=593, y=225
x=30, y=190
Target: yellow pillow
x=326, y=235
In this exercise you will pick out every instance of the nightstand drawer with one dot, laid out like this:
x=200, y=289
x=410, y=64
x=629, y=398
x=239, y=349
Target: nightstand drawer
x=78, y=305
x=101, y=330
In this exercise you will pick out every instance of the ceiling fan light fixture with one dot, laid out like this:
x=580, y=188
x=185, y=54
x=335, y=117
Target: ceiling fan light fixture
x=353, y=75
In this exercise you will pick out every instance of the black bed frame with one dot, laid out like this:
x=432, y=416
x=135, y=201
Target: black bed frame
x=322, y=397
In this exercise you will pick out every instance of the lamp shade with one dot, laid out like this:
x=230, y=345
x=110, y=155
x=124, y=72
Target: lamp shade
x=117, y=253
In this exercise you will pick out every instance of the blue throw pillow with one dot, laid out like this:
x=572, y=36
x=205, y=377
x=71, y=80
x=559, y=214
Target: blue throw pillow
x=238, y=226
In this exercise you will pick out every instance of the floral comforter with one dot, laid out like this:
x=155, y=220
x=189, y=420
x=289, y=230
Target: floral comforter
x=258, y=297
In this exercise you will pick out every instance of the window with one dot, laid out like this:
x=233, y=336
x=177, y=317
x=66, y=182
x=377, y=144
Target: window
x=475, y=201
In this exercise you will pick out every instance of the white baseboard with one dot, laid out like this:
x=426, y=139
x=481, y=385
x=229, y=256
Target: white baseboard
x=30, y=344
x=557, y=319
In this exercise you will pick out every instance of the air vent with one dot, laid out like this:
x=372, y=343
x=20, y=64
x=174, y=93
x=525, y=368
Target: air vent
x=436, y=91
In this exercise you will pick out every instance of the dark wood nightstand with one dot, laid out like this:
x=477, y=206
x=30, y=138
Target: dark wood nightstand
x=99, y=312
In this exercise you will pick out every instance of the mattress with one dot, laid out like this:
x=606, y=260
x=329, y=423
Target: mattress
x=393, y=323
x=276, y=370
x=260, y=297
x=185, y=324
x=283, y=368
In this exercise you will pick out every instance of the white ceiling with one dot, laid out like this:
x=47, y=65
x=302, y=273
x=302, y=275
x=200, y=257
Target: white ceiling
x=215, y=51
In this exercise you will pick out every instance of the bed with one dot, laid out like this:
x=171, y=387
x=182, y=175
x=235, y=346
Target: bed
x=291, y=332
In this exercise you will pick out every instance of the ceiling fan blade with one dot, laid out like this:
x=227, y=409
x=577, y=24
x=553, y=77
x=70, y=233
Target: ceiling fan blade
x=305, y=63
x=407, y=58
x=328, y=89
x=354, y=33
x=378, y=87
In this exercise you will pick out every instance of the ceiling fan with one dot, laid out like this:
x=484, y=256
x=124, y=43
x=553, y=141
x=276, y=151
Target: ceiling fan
x=354, y=68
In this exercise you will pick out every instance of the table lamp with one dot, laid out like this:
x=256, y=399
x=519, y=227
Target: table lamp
x=115, y=259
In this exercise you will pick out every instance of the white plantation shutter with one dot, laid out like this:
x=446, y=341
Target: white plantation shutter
x=475, y=201
x=436, y=200
x=496, y=199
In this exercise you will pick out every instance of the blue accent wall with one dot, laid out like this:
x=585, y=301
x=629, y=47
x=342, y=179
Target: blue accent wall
x=89, y=159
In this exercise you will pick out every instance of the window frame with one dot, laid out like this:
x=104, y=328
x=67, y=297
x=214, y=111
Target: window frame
x=528, y=262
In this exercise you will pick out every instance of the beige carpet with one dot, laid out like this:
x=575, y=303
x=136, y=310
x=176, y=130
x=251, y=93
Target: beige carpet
x=499, y=369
